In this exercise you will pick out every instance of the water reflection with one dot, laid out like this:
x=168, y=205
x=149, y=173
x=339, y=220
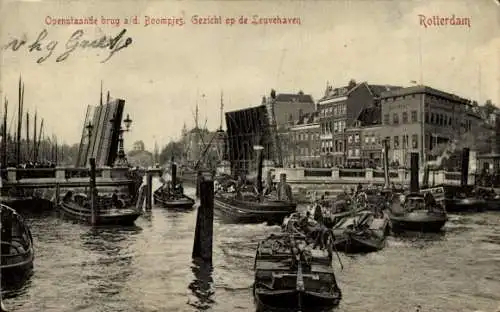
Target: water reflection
x=108, y=265
x=202, y=285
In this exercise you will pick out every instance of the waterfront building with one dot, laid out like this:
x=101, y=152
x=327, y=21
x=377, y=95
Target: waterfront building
x=419, y=118
x=302, y=147
x=340, y=109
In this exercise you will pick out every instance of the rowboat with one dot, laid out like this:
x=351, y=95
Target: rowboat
x=108, y=211
x=365, y=232
x=290, y=276
x=17, y=252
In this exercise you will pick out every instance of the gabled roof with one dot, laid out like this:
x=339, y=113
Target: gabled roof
x=296, y=98
x=378, y=89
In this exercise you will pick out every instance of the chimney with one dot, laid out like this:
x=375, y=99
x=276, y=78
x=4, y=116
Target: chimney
x=465, y=167
x=414, y=187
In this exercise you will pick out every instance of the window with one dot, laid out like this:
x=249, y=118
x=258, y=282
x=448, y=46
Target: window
x=405, y=117
x=386, y=119
x=395, y=118
x=356, y=152
x=396, y=141
x=356, y=138
x=414, y=117
x=414, y=141
x=349, y=153
x=373, y=139
x=433, y=118
x=388, y=140
x=349, y=139
x=367, y=140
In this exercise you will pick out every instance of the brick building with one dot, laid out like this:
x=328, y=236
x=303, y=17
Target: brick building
x=340, y=109
x=303, y=144
x=404, y=111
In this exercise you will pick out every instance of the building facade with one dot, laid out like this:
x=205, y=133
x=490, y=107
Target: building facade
x=303, y=144
x=419, y=118
x=340, y=109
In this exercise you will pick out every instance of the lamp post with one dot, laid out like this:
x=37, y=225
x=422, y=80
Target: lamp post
x=89, y=128
x=121, y=160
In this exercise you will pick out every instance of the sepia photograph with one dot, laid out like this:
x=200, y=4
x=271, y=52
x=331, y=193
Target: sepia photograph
x=293, y=156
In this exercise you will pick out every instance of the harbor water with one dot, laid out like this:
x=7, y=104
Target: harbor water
x=148, y=267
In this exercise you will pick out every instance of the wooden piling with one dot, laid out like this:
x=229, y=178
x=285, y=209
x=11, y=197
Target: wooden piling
x=149, y=191
x=198, y=181
x=93, y=191
x=203, y=237
x=414, y=187
x=464, y=177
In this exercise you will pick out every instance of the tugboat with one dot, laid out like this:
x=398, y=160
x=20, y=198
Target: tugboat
x=256, y=207
x=171, y=194
x=291, y=276
x=17, y=252
x=415, y=213
x=101, y=209
x=108, y=210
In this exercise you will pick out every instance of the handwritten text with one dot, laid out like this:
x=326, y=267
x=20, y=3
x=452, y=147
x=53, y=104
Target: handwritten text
x=75, y=41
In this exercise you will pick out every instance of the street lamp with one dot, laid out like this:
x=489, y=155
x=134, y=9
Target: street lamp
x=121, y=160
x=89, y=128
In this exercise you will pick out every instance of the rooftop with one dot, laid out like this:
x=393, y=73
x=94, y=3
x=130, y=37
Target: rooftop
x=426, y=90
x=294, y=98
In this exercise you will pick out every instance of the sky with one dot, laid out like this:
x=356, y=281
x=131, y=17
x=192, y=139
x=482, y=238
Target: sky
x=166, y=70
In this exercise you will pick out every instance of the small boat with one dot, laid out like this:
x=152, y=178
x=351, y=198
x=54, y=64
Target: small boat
x=172, y=199
x=491, y=198
x=413, y=213
x=362, y=233
x=109, y=211
x=17, y=252
x=252, y=209
x=291, y=276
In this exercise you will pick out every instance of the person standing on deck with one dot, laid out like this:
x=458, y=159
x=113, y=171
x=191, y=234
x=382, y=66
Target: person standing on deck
x=283, y=189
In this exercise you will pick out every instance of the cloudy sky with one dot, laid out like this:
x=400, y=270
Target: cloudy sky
x=166, y=70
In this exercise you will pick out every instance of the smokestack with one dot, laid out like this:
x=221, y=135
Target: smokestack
x=414, y=187
x=386, y=164
x=108, y=98
x=465, y=167
x=425, y=180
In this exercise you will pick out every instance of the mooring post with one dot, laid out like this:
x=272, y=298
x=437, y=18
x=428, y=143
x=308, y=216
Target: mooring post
x=149, y=190
x=203, y=236
x=93, y=192
x=465, y=167
x=414, y=187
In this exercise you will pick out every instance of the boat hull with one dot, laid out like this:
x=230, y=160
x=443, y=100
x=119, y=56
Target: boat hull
x=240, y=211
x=15, y=274
x=420, y=222
x=116, y=217
x=465, y=205
x=184, y=202
x=266, y=300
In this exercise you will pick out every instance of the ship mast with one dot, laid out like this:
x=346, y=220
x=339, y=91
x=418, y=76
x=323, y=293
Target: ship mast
x=221, y=109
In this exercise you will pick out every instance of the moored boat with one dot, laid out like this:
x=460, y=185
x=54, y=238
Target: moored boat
x=252, y=209
x=108, y=211
x=457, y=198
x=362, y=233
x=180, y=201
x=17, y=252
x=291, y=276
x=413, y=213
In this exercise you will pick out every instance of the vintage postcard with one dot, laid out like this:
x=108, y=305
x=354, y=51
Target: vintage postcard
x=250, y=155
